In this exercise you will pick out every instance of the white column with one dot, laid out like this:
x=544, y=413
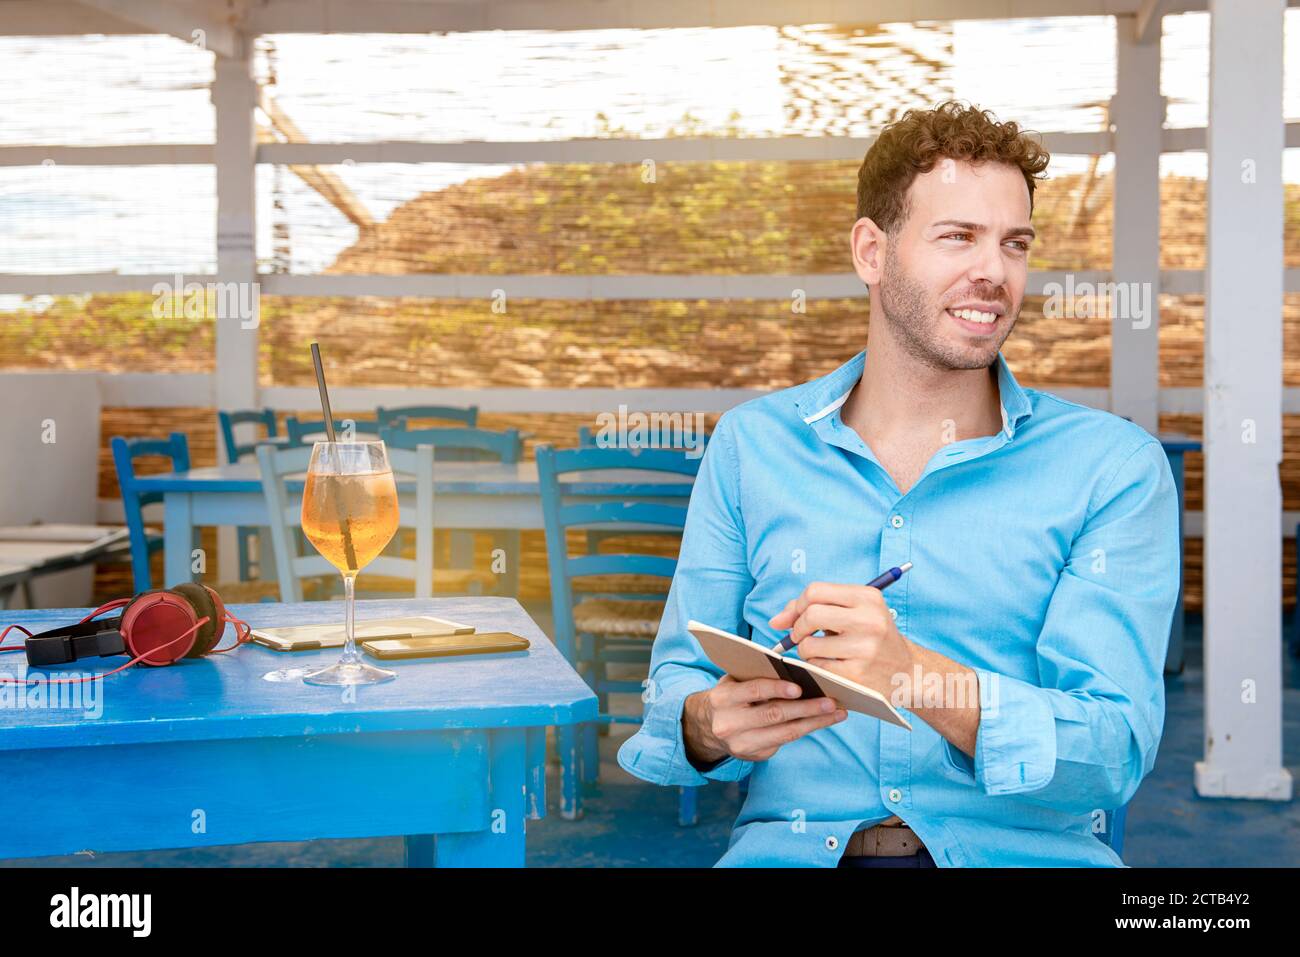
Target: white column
x=1137, y=113
x=1243, y=407
x=234, y=95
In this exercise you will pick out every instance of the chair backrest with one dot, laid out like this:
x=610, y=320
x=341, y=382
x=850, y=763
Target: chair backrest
x=228, y=421
x=284, y=514
x=448, y=413
x=662, y=437
x=125, y=451
x=458, y=444
x=306, y=431
x=561, y=512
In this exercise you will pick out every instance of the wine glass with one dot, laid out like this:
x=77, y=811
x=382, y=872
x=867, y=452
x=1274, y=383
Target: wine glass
x=349, y=513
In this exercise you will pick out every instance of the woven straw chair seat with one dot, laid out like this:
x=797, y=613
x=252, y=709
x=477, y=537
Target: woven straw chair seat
x=634, y=584
x=623, y=617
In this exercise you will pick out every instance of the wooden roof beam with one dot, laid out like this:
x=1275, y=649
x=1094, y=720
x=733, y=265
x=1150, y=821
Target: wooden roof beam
x=188, y=21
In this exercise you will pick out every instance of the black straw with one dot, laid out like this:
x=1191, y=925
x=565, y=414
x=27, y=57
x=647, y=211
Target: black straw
x=350, y=553
x=324, y=393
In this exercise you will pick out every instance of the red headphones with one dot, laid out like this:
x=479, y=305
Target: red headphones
x=156, y=627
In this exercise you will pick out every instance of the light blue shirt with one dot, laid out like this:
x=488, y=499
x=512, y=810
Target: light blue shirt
x=1046, y=558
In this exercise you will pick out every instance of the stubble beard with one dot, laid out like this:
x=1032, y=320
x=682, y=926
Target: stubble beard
x=915, y=321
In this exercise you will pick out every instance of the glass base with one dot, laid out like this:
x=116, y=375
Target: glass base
x=286, y=674
x=349, y=673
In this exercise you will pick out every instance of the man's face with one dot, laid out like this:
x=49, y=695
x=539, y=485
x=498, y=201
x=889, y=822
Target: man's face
x=953, y=275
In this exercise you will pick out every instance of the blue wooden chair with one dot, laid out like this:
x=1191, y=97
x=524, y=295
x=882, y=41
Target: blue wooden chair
x=300, y=432
x=447, y=413
x=228, y=420
x=234, y=452
x=1295, y=614
x=176, y=450
x=468, y=444
x=603, y=629
x=144, y=543
x=455, y=444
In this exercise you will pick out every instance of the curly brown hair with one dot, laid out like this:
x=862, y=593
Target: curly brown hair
x=914, y=143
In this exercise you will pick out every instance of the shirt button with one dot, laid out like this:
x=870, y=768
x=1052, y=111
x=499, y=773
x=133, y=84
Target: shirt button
x=893, y=614
x=895, y=795
x=896, y=521
x=832, y=842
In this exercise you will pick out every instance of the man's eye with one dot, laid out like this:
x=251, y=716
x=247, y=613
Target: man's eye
x=955, y=236
x=1021, y=245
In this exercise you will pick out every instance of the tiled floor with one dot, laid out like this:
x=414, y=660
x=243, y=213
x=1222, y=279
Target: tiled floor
x=631, y=823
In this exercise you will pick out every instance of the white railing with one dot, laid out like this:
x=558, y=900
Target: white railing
x=195, y=390
x=587, y=150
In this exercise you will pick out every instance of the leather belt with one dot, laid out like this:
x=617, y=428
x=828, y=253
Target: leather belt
x=886, y=839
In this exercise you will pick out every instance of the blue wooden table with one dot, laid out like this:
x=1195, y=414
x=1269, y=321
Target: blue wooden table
x=450, y=755
x=467, y=495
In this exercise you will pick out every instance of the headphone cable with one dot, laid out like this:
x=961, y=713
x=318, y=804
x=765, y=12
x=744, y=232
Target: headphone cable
x=7, y=679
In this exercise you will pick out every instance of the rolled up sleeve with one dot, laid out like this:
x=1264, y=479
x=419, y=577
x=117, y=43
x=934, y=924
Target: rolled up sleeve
x=1085, y=735
x=711, y=583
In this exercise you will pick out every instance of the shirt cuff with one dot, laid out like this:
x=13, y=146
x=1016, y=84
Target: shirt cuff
x=1015, y=749
x=657, y=752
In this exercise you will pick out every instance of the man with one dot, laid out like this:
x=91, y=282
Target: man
x=1025, y=646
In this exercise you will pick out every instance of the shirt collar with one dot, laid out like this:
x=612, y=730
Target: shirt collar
x=819, y=398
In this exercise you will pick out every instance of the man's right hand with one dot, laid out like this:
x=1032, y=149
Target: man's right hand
x=750, y=720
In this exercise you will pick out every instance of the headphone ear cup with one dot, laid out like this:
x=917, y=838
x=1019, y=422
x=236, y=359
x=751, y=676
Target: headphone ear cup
x=131, y=613
x=221, y=616
x=126, y=609
x=153, y=624
x=200, y=599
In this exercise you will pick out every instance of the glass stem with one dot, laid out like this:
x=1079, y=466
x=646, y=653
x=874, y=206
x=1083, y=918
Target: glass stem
x=350, y=599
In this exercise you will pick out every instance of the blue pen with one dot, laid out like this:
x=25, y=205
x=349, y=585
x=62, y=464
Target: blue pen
x=884, y=581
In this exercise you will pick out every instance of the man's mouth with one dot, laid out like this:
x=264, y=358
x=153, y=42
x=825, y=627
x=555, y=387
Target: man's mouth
x=975, y=319
x=974, y=315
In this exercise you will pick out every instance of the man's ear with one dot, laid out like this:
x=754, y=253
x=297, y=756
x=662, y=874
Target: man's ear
x=867, y=245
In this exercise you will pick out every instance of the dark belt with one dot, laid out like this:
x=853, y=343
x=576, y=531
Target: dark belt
x=887, y=839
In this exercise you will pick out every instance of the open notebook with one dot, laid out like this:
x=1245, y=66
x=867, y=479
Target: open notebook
x=745, y=660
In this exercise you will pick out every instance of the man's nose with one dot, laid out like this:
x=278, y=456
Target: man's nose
x=989, y=264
